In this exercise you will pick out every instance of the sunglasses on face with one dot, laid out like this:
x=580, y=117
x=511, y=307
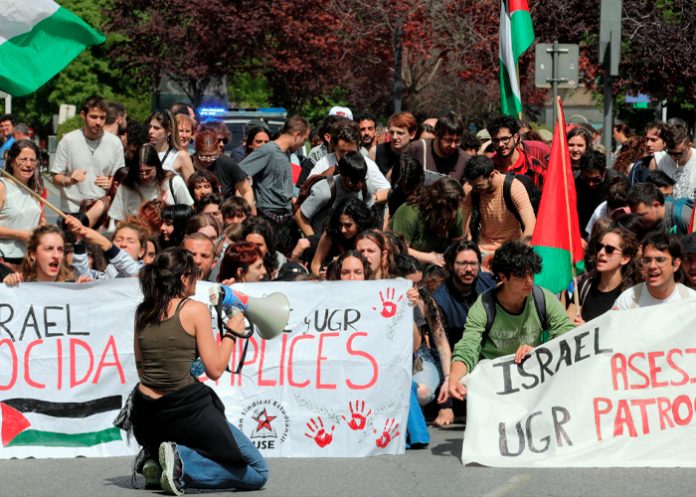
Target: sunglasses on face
x=609, y=249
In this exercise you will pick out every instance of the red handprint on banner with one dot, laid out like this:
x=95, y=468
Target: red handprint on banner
x=316, y=432
x=358, y=417
x=388, y=304
x=389, y=433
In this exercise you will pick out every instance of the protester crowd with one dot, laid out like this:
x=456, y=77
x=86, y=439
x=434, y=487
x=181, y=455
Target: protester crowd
x=353, y=199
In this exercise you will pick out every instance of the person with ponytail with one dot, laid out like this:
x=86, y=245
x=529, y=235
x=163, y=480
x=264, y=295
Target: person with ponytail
x=174, y=416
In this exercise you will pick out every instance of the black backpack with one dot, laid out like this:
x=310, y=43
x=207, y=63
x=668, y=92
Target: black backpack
x=532, y=191
x=488, y=301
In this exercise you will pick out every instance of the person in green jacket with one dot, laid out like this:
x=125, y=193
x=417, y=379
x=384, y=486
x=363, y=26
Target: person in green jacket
x=517, y=326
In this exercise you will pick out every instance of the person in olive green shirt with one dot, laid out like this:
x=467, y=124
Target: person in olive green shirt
x=517, y=327
x=430, y=220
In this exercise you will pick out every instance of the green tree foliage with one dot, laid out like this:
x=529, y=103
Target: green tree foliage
x=93, y=71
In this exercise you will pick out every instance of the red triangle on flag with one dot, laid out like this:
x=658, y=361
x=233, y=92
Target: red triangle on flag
x=13, y=423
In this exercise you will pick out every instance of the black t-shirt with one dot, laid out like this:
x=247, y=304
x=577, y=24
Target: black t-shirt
x=228, y=172
x=386, y=158
x=597, y=303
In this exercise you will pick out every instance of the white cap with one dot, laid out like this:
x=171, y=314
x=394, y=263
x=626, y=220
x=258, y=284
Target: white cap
x=341, y=111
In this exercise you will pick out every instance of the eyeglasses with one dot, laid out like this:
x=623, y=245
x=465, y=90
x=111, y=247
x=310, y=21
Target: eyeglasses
x=207, y=158
x=471, y=264
x=26, y=160
x=609, y=249
x=503, y=140
x=659, y=260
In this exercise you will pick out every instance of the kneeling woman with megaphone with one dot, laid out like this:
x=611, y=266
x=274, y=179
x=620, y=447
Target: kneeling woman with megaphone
x=173, y=415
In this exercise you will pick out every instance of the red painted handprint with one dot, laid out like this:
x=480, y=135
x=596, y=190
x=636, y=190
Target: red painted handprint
x=388, y=304
x=390, y=432
x=358, y=418
x=317, y=432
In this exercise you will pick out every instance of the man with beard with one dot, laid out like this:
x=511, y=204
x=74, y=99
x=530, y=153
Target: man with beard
x=442, y=154
x=465, y=283
x=368, y=132
x=514, y=155
x=662, y=258
x=86, y=158
x=455, y=297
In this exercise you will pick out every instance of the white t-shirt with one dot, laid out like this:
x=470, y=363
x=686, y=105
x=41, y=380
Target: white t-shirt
x=101, y=157
x=626, y=299
x=127, y=201
x=685, y=176
x=375, y=179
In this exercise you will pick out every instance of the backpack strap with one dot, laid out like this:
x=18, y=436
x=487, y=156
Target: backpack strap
x=425, y=153
x=171, y=187
x=488, y=301
x=539, y=298
x=475, y=216
x=507, y=197
x=332, y=188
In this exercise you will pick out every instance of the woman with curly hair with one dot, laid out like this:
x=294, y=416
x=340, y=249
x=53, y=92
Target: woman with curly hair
x=351, y=217
x=616, y=269
x=202, y=183
x=45, y=259
x=632, y=150
x=430, y=220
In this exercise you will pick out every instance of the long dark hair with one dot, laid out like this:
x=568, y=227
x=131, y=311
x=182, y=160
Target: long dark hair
x=355, y=209
x=161, y=282
x=178, y=216
x=146, y=155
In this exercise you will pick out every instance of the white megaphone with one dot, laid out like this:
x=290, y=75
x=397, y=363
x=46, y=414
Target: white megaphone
x=269, y=314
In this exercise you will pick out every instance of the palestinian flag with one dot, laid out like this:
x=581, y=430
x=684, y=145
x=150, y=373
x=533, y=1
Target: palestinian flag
x=516, y=36
x=557, y=233
x=58, y=424
x=38, y=38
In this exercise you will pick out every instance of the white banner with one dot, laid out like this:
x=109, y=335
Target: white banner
x=336, y=383
x=615, y=392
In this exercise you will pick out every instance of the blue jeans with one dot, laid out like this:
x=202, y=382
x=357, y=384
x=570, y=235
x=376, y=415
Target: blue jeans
x=431, y=374
x=200, y=472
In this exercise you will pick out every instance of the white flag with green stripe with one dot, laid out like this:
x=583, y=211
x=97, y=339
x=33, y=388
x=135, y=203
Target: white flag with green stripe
x=38, y=38
x=516, y=36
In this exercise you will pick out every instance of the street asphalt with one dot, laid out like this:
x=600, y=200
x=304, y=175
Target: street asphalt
x=431, y=472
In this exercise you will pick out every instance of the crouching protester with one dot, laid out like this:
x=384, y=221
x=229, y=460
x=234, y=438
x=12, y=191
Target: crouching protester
x=512, y=318
x=179, y=422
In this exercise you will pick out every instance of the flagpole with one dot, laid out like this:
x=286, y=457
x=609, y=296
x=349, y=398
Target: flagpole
x=559, y=114
x=34, y=194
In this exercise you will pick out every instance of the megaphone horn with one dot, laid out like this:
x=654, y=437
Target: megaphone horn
x=270, y=314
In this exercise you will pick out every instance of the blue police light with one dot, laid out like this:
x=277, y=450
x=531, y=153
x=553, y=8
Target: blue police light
x=211, y=111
